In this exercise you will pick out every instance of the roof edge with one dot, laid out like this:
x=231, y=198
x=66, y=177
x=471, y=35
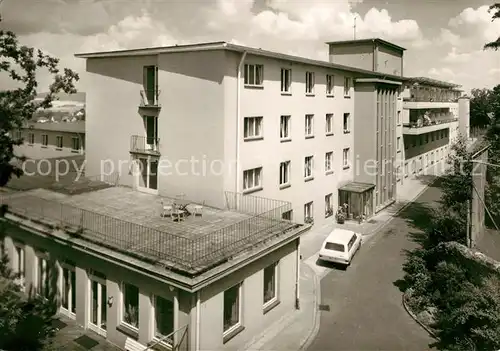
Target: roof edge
x=367, y=40
x=154, y=50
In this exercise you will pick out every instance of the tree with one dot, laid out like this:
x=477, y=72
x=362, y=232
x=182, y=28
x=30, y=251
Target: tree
x=495, y=9
x=21, y=63
x=480, y=107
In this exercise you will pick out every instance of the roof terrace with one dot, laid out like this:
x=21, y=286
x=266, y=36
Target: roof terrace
x=129, y=222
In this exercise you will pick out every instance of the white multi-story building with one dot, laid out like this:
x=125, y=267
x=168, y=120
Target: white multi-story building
x=203, y=118
x=434, y=114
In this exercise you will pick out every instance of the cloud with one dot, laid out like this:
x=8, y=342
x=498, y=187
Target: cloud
x=454, y=56
x=464, y=38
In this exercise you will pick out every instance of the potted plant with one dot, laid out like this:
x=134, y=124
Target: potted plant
x=309, y=220
x=341, y=216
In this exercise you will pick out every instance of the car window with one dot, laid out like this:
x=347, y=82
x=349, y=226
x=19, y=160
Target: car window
x=351, y=242
x=334, y=247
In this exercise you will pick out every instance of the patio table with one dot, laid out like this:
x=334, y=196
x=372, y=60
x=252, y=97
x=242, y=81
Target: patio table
x=182, y=205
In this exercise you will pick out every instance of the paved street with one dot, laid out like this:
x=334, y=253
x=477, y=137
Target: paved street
x=366, y=312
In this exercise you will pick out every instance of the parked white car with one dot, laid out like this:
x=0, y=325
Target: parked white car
x=340, y=246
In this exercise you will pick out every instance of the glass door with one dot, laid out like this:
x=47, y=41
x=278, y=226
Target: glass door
x=98, y=305
x=150, y=124
x=147, y=180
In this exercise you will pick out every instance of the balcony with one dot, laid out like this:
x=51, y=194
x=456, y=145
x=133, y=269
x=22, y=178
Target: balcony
x=415, y=128
x=144, y=145
x=150, y=99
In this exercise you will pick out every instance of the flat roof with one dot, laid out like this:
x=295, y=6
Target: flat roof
x=432, y=82
x=357, y=187
x=130, y=222
x=222, y=45
x=366, y=41
x=69, y=127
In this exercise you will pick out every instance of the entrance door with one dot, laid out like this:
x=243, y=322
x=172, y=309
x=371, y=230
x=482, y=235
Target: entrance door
x=98, y=305
x=150, y=84
x=147, y=178
x=151, y=127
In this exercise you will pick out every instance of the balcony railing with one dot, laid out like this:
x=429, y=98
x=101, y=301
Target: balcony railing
x=427, y=124
x=180, y=249
x=144, y=145
x=150, y=98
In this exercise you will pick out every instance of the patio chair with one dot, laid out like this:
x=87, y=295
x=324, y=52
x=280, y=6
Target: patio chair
x=198, y=209
x=166, y=209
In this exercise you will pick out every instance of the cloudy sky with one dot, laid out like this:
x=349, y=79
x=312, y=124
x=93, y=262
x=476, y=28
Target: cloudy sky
x=444, y=38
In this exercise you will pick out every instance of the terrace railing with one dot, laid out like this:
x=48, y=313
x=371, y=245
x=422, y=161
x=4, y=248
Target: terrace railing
x=432, y=123
x=142, y=144
x=182, y=252
x=150, y=98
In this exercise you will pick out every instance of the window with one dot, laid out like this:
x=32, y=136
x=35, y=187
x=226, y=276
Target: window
x=398, y=144
x=285, y=128
x=17, y=135
x=19, y=262
x=432, y=136
x=309, y=126
x=309, y=82
x=347, y=86
x=328, y=205
x=329, y=124
x=43, y=278
x=232, y=308
x=345, y=160
x=45, y=140
x=399, y=118
x=287, y=215
x=59, y=142
x=330, y=83
x=329, y=162
x=252, y=127
x=284, y=173
x=75, y=144
x=69, y=289
x=252, y=179
x=308, y=212
x=130, y=305
x=286, y=80
x=270, y=282
x=398, y=173
x=163, y=319
x=308, y=166
x=254, y=75
x=347, y=117
x=334, y=247
x=31, y=138
x=351, y=242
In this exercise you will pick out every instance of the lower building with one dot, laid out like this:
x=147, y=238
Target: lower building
x=51, y=139
x=209, y=281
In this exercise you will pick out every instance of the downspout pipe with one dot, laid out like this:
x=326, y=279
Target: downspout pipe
x=297, y=276
x=238, y=121
x=198, y=305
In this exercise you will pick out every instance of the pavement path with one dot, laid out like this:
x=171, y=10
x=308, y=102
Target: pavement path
x=365, y=309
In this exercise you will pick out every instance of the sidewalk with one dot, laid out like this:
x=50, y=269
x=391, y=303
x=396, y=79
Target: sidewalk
x=297, y=329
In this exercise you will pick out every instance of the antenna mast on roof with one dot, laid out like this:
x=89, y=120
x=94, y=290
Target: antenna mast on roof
x=354, y=28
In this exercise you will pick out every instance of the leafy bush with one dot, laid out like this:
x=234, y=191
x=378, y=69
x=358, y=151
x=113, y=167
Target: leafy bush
x=471, y=317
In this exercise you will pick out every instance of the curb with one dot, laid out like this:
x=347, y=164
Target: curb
x=309, y=338
x=412, y=315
